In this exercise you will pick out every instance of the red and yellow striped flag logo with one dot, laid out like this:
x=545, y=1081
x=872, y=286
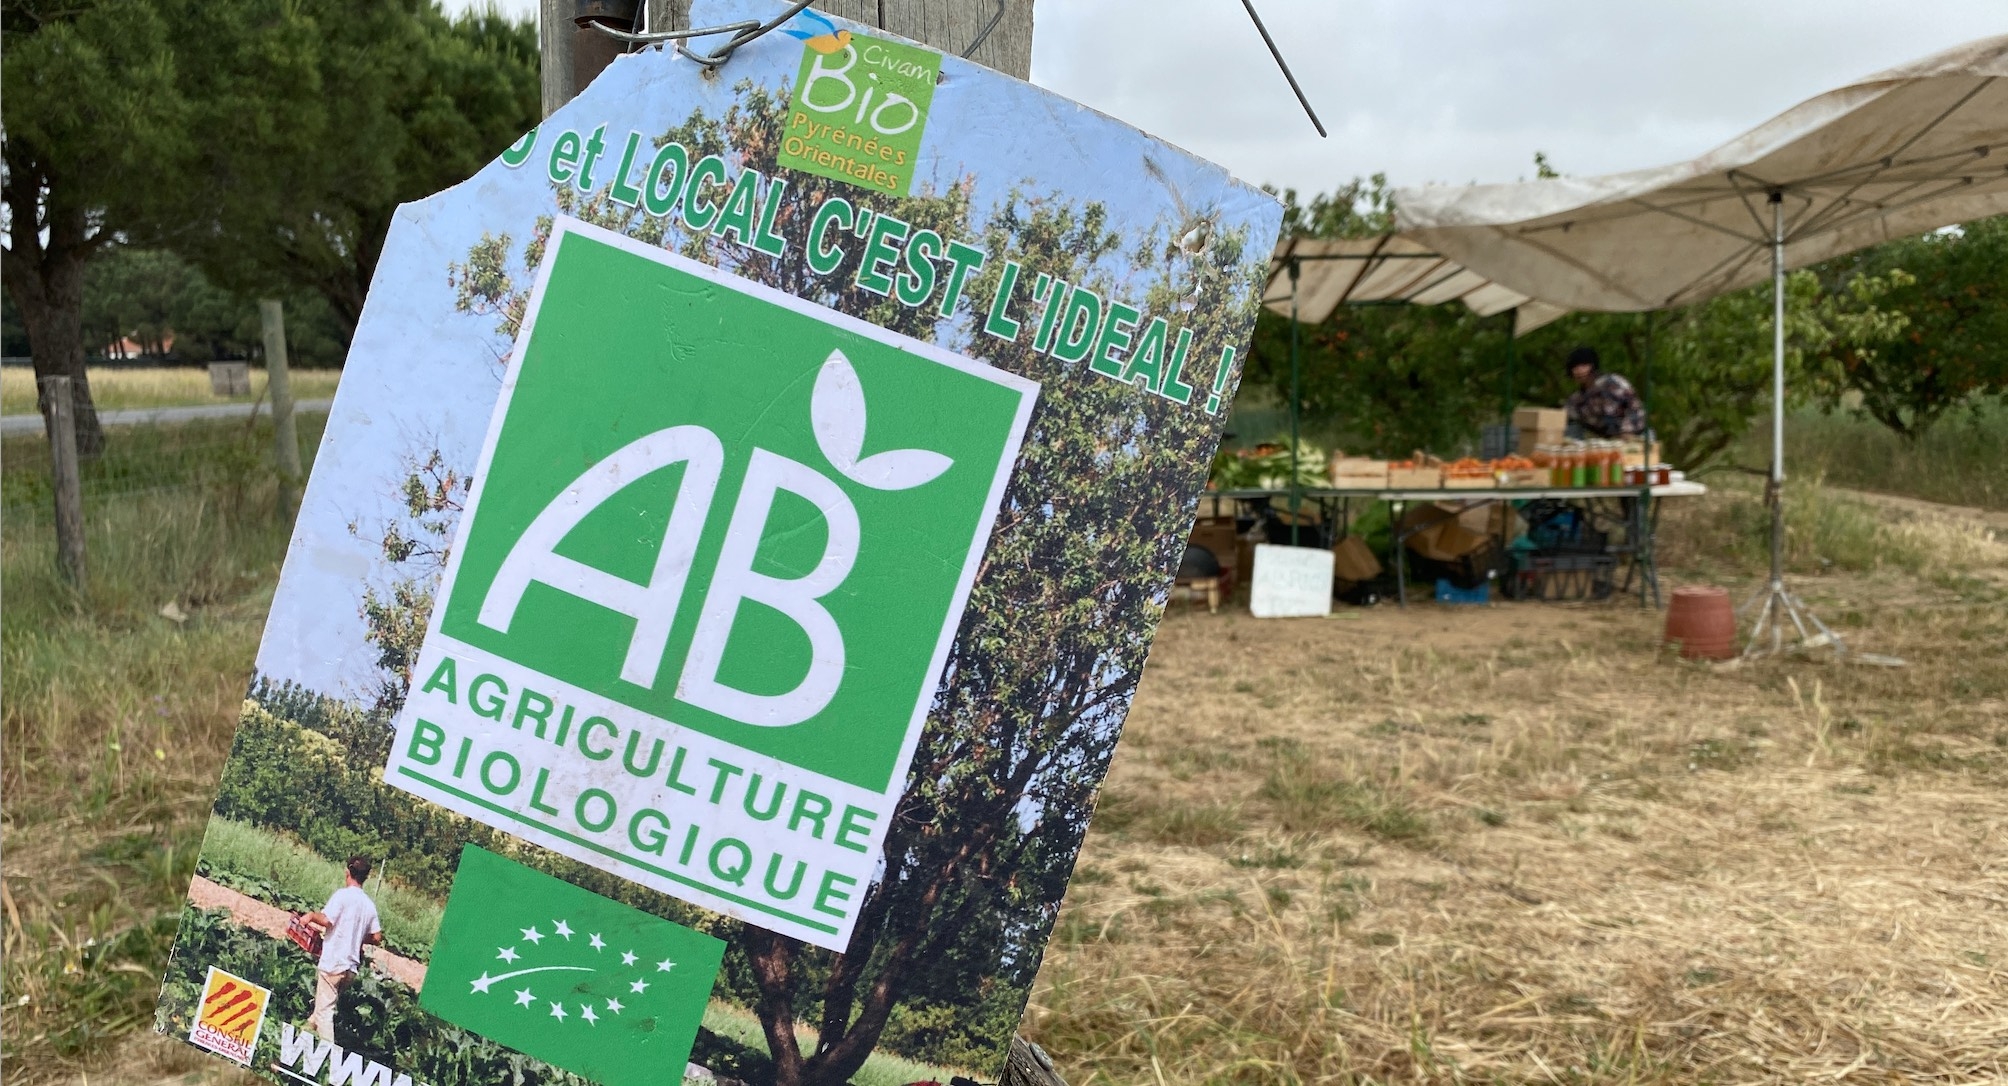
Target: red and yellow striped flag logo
x=229, y=1018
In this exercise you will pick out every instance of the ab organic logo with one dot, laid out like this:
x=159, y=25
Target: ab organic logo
x=859, y=108
x=700, y=599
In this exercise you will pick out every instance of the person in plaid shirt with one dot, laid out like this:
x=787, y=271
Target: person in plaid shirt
x=1604, y=405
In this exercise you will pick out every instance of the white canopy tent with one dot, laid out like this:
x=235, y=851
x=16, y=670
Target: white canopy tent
x=1311, y=277
x=1908, y=150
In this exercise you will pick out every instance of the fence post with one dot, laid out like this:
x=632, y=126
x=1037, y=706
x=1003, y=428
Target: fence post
x=286, y=440
x=69, y=486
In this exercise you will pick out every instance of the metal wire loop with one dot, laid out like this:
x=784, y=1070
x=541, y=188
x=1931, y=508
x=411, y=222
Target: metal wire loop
x=742, y=32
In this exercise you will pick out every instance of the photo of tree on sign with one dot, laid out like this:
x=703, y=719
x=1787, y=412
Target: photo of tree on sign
x=1128, y=305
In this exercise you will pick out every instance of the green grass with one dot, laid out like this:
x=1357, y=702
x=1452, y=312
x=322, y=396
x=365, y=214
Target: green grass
x=116, y=720
x=1308, y=798
x=1825, y=531
x=291, y=873
x=1958, y=461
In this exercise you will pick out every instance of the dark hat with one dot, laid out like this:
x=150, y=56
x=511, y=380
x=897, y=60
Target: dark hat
x=1583, y=356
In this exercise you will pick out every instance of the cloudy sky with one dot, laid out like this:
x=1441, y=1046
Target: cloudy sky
x=1468, y=90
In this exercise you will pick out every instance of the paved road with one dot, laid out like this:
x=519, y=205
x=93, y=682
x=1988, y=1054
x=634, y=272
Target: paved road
x=11, y=425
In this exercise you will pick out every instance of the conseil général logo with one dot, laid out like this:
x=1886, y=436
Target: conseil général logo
x=700, y=600
x=859, y=107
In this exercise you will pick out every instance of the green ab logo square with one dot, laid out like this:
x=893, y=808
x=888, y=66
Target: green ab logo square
x=731, y=509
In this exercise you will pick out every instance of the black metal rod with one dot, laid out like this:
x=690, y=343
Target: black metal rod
x=1274, y=52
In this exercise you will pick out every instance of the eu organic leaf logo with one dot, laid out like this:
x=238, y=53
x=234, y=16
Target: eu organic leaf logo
x=837, y=411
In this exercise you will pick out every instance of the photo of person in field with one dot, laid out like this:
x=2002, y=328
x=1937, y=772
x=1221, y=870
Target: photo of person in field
x=348, y=922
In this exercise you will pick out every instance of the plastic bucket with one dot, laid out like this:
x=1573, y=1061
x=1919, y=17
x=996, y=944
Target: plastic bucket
x=1701, y=621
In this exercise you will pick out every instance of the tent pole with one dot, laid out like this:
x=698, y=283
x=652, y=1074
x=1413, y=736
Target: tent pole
x=1512, y=341
x=1776, y=607
x=1296, y=402
x=1645, y=394
x=1777, y=393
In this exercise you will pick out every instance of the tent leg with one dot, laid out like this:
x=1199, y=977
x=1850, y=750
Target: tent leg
x=1775, y=606
x=1296, y=404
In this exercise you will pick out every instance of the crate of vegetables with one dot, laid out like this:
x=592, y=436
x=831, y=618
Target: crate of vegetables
x=1355, y=473
x=1518, y=471
x=1468, y=474
x=1411, y=475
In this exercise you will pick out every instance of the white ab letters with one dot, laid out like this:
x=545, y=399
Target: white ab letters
x=837, y=416
x=735, y=580
x=653, y=605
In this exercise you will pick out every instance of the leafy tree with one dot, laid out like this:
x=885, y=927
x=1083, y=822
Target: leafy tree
x=1357, y=209
x=391, y=101
x=432, y=496
x=1955, y=348
x=1388, y=380
x=1712, y=363
x=159, y=299
x=95, y=101
x=268, y=141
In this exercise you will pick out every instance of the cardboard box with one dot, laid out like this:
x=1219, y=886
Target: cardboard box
x=1552, y=421
x=1353, y=561
x=1445, y=537
x=1415, y=478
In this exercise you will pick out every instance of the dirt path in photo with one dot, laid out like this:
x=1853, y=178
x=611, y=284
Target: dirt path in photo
x=271, y=920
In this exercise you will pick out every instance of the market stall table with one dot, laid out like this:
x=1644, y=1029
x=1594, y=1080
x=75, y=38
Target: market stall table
x=1642, y=516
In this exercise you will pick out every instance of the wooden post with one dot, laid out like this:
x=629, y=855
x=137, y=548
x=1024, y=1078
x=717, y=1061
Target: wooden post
x=952, y=26
x=279, y=382
x=1001, y=30
x=555, y=34
x=68, y=482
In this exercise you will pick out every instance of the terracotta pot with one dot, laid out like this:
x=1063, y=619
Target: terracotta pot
x=1700, y=620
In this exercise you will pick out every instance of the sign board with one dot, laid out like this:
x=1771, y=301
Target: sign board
x=733, y=550
x=1290, y=582
x=229, y=378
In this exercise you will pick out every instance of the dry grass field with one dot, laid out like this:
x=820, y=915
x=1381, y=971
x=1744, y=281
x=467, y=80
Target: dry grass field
x=115, y=389
x=1523, y=844
x=1516, y=844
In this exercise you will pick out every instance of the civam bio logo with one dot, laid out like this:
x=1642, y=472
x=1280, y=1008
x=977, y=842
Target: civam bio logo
x=860, y=106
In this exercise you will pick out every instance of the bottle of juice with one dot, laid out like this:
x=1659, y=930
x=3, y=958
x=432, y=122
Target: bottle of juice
x=1544, y=461
x=1579, y=466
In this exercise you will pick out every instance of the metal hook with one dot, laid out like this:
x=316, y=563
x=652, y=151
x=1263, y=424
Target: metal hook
x=984, y=34
x=742, y=32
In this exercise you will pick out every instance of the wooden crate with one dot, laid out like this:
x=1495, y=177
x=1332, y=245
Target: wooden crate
x=1470, y=482
x=1415, y=478
x=1349, y=473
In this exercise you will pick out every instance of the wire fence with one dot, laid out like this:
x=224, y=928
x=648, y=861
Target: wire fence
x=212, y=457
